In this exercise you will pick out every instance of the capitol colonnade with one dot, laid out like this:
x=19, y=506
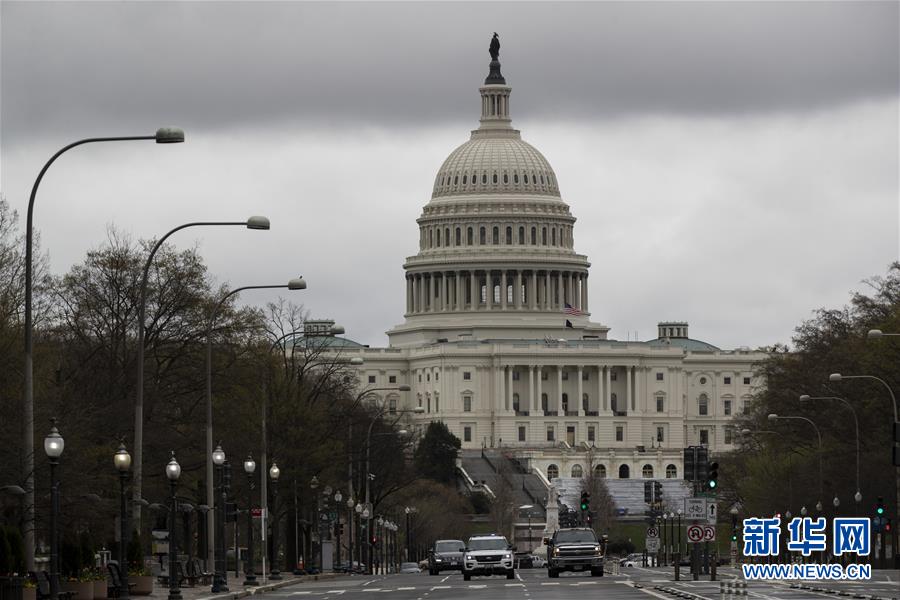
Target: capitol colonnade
x=496, y=289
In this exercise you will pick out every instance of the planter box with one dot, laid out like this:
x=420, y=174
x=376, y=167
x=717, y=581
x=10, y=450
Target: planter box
x=143, y=585
x=84, y=589
x=29, y=593
x=100, y=589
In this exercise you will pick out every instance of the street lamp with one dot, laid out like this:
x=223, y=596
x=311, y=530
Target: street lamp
x=53, y=447
x=163, y=135
x=122, y=461
x=314, y=485
x=805, y=397
x=274, y=474
x=220, y=576
x=173, y=472
x=255, y=223
x=775, y=417
x=294, y=284
x=249, y=469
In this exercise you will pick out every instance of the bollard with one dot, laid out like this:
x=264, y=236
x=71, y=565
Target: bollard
x=721, y=590
x=712, y=567
x=677, y=566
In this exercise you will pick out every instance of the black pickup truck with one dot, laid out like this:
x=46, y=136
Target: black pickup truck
x=575, y=549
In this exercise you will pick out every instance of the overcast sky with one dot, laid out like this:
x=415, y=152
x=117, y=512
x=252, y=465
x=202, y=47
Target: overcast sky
x=730, y=164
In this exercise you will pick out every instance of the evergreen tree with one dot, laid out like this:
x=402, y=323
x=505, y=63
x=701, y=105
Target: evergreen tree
x=436, y=453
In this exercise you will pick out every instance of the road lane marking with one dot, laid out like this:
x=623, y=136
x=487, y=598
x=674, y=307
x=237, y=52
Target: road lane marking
x=439, y=587
x=550, y=583
x=445, y=579
x=405, y=589
x=515, y=585
x=477, y=587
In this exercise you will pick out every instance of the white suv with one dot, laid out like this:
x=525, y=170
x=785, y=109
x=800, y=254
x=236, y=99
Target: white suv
x=488, y=555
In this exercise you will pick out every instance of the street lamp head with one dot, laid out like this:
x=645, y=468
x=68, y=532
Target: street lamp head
x=733, y=510
x=258, y=222
x=836, y=502
x=274, y=472
x=403, y=388
x=834, y=377
x=337, y=330
x=804, y=397
x=788, y=515
x=169, y=135
x=773, y=417
x=819, y=506
x=407, y=510
x=173, y=469
x=359, y=508
x=679, y=512
x=403, y=432
x=858, y=496
x=874, y=334
x=298, y=283
x=122, y=459
x=327, y=490
x=54, y=442
x=314, y=482
x=218, y=456
x=337, y=496
x=380, y=521
x=357, y=361
x=803, y=511
x=350, y=503
x=365, y=512
x=249, y=465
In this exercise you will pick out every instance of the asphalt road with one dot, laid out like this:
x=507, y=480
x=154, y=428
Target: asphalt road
x=533, y=584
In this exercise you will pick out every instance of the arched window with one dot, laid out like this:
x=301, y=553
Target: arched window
x=600, y=471
x=521, y=235
x=552, y=472
x=647, y=472
x=484, y=178
x=438, y=238
x=419, y=398
x=553, y=236
x=495, y=235
x=495, y=295
x=430, y=238
x=544, y=402
x=447, y=236
x=585, y=402
x=427, y=403
x=465, y=178
x=469, y=237
x=565, y=403
x=515, y=178
x=495, y=178
x=526, y=178
x=505, y=178
x=516, y=401
x=624, y=472
x=482, y=236
x=543, y=236
x=392, y=405
x=577, y=471
x=534, y=236
x=703, y=405
x=671, y=472
x=455, y=179
x=437, y=402
x=458, y=236
x=509, y=235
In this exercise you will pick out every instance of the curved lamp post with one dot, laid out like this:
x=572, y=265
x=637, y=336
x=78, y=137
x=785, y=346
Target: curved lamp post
x=774, y=417
x=220, y=576
x=122, y=460
x=254, y=222
x=294, y=284
x=858, y=496
x=164, y=135
x=53, y=447
x=173, y=472
x=274, y=474
x=249, y=469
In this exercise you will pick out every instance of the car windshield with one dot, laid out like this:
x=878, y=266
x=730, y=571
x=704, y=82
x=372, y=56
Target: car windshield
x=498, y=543
x=452, y=546
x=583, y=537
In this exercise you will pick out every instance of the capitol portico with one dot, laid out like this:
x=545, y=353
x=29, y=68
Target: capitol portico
x=497, y=339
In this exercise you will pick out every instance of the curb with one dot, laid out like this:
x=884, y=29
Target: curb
x=262, y=589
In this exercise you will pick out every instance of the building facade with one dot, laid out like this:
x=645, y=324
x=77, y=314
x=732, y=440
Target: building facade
x=497, y=339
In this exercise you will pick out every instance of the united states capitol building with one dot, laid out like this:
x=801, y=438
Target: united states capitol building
x=498, y=339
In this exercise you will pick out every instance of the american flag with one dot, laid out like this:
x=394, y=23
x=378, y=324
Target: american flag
x=571, y=310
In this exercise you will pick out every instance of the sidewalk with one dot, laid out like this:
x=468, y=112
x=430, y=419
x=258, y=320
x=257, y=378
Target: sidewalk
x=236, y=589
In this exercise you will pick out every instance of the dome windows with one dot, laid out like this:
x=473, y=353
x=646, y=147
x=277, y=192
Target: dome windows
x=484, y=178
x=482, y=235
x=509, y=236
x=526, y=178
x=515, y=178
x=495, y=235
x=464, y=179
x=458, y=236
x=469, y=237
x=521, y=236
x=495, y=178
x=505, y=178
x=542, y=179
x=455, y=179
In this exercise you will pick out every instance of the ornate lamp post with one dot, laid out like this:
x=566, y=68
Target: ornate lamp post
x=274, y=474
x=379, y=533
x=122, y=460
x=337, y=503
x=350, y=504
x=314, y=485
x=365, y=519
x=53, y=447
x=220, y=577
x=360, y=543
x=173, y=472
x=249, y=469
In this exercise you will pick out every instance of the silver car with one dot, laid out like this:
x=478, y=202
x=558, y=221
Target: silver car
x=488, y=555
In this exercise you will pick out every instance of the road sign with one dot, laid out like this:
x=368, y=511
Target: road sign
x=695, y=533
x=652, y=544
x=652, y=532
x=256, y=513
x=709, y=533
x=695, y=509
x=711, y=511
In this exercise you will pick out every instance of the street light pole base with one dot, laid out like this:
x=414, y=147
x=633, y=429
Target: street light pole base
x=275, y=575
x=250, y=580
x=175, y=595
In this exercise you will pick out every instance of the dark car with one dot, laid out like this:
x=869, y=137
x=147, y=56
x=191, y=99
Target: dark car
x=575, y=549
x=446, y=555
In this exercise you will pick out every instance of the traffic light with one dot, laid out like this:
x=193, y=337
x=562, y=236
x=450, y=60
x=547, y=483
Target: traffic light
x=589, y=519
x=657, y=491
x=231, y=512
x=887, y=525
x=879, y=506
x=374, y=540
x=689, y=464
x=712, y=476
x=702, y=463
x=648, y=492
x=585, y=500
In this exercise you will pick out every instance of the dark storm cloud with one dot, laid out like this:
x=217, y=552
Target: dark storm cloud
x=215, y=65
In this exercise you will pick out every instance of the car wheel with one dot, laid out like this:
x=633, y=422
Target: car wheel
x=432, y=572
x=466, y=577
x=511, y=574
x=552, y=573
x=597, y=572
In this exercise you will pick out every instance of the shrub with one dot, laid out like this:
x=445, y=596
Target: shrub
x=70, y=559
x=620, y=546
x=17, y=550
x=5, y=554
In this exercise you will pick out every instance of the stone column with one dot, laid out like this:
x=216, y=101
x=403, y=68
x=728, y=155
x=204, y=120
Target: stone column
x=509, y=388
x=416, y=292
x=460, y=288
x=439, y=290
x=559, y=290
x=538, y=403
x=503, y=289
x=584, y=293
x=532, y=286
x=473, y=293
x=547, y=304
x=429, y=294
x=500, y=401
x=408, y=294
x=580, y=393
x=530, y=389
x=599, y=402
x=607, y=398
x=517, y=293
x=559, y=409
x=629, y=399
x=488, y=289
